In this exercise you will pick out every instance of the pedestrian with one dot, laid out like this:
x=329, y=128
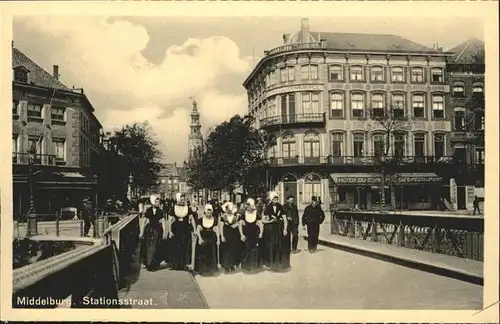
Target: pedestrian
x=88, y=216
x=292, y=215
x=153, y=232
x=475, y=203
x=230, y=246
x=251, y=230
x=207, y=243
x=181, y=225
x=275, y=228
x=312, y=218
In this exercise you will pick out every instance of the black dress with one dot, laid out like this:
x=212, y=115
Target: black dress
x=152, y=242
x=206, y=253
x=180, y=243
x=251, y=258
x=275, y=253
x=230, y=250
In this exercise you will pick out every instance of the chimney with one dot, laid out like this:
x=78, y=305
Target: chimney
x=304, y=30
x=323, y=42
x=56, y=72
x=286, y=39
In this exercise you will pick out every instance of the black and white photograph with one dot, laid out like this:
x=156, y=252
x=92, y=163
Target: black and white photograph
x=251, y=161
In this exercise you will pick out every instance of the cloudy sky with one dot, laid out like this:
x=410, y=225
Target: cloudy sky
x=146, y=68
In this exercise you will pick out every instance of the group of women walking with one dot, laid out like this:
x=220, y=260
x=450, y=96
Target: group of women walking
x=249, y=237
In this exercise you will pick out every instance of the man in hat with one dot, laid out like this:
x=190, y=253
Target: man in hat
x=312, y=218
x=88, y=216
x=292, y=214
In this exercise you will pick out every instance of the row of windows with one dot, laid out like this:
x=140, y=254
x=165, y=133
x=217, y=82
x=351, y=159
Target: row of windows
x=311, y=145
x=463, y=121
x=459, y=89
x=34, y=144
x=37, y=111
x=378, y=103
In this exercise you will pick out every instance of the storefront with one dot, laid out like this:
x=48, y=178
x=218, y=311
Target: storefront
x=402, y=191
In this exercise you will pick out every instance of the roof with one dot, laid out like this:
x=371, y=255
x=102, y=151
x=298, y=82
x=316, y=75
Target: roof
x=464, y=51
x=370, y=42
x=37, y=74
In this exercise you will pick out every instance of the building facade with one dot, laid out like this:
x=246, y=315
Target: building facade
x=319, y=94
x=58, y=123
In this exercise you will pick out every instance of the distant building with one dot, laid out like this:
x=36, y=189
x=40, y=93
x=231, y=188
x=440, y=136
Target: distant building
x=316, y=94
x=195, y=140
x=59, y=124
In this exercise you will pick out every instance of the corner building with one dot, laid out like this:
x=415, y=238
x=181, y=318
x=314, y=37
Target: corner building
x=314, y=93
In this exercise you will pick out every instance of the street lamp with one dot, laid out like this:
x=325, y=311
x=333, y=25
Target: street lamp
x=129, y=189
x=32, y=220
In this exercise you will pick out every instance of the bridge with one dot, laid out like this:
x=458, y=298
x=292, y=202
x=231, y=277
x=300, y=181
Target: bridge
x=366, y=261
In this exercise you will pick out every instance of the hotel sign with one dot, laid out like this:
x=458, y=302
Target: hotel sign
x=358, y=180
x=301, y=87
x=376, y=180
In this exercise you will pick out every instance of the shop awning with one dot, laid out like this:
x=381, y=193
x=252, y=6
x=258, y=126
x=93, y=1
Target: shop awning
x=376, y=179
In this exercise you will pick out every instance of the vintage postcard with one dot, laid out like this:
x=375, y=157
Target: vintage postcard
x=289, y=162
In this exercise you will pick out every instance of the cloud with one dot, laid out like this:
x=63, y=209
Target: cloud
x=105, y=58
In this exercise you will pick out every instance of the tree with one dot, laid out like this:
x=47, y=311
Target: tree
x=139, y=155
x=233, y=156
x=391, y=125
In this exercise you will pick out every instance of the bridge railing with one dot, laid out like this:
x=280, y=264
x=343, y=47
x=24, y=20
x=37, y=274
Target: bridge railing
x=456, y=235
x=82, y=272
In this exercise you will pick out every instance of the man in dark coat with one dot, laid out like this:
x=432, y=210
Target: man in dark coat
x=88, y=216
x=312, y=218
x=292, y=214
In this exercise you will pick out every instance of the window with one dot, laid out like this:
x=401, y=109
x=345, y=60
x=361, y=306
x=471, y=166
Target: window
x=57, y=113
x=437, y=75
x=399, y=145
x=438, y=145
x=311, y=145
x=418, y=106
x=378, y=104
x=417, y=75
x=289, y=146
x=337, y=143
x=34, y=110
x=59, y=149
x=358, y=144
x=459, y=119
x=336, y=73
x=33, y=146
x=291, y=73
x=398, y=106
x=438, y=106
x=378, y=145
x=458, y=90
x=312, y=187
x=272, y=77
x=477, y=89
x=356, y=73
x=479, y=155
x=309, y=72
x=377, y=73
x=21, y=74
x=310, y=103
x=398, y=74
x=357, y=104
x=272, y=107
x=337, y=105
x=419, y=145
x=284, y=74
x=15, y=107
x=479, y=119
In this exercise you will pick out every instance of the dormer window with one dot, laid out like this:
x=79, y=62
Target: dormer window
x=21, y=74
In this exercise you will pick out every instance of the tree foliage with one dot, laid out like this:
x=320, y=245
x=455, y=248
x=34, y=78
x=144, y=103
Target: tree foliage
x=233, y=156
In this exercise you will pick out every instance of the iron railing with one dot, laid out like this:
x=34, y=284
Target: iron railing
x=461, y=236
x=39, y=159
x=294, y=47
x=354, y=160
x=293, y=119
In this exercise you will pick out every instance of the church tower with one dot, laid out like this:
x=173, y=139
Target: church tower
x=195, y=142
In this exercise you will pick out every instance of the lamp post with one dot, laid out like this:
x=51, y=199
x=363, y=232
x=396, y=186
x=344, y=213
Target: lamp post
x=32, y=220
x=129, y=189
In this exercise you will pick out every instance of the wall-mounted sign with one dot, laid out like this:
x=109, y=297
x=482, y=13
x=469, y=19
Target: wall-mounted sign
x=295, y=88
x=419, y=179
x=368, y=179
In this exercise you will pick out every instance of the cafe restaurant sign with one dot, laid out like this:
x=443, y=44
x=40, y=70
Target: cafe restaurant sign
x=369, y=179
x=301, y=87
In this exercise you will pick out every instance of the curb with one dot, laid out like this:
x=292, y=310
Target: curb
x=414, y=264
x=198, y=289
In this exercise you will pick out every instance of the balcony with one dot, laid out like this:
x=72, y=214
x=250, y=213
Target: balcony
x=294, y=47
x=310, y=118
x=354, y=160
x=40, y=159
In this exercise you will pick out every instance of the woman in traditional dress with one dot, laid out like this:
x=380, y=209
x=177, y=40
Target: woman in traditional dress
x=181, y=225
x=153, y=232
x=230, y=247
x=207, y=244
x=251, y=230
x=275, y=228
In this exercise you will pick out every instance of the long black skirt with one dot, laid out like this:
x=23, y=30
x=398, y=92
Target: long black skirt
x=273, y=246
x=151, y=245
x=251, y=256
x=180, y=245
x=206, y=254
x=230, y=250
x=286, y=250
